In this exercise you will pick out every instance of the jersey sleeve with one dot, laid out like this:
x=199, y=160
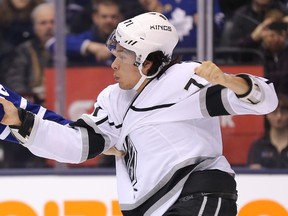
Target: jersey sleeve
x=18, y=101
x=218, y=100
x=56, y=138
x=106, y=118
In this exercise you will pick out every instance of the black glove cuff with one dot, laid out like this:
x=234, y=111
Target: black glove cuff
x=27, y=119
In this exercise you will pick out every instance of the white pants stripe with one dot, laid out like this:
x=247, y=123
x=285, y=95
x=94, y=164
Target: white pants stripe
x=218, y=206
x=203, y=206
x=205, y=198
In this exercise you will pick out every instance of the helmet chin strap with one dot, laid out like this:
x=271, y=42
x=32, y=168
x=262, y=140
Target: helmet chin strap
x=144, y=77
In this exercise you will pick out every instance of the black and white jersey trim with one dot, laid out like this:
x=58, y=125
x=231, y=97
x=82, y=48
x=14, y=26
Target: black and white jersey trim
x=95, y=141
x=116, y=126
x=110, y=123
x=214, y=103
x=151, y=108
x=101, y=121
x=170, y=185
x=175, y=179
x=95, y=113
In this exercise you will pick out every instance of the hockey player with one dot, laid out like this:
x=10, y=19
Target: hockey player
x=159, y=119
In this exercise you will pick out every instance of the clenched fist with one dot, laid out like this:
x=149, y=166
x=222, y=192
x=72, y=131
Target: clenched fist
x=211, y=72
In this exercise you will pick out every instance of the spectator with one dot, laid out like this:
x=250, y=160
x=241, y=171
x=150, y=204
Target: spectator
x=249, y=21
x=131, y=8
x=90, y=47
x=26, y=73
x=25, y=76
x=230, y=6
x=6, y=54
x=275, y=50
x=183, y=15
x=15, y=22
x=78, y=13
x=271, y=151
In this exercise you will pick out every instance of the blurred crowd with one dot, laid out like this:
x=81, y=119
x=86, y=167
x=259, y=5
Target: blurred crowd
x=245, y=32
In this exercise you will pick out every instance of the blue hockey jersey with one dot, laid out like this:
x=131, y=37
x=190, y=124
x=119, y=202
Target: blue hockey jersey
x=18, y=101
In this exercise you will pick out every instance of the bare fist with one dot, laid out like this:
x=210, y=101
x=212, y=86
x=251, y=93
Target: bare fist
x=211, y=72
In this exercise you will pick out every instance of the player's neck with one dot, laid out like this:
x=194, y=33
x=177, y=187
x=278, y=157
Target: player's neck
x=142, y=86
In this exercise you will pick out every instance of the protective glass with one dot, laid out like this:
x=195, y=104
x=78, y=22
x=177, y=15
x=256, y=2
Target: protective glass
x=125, y=55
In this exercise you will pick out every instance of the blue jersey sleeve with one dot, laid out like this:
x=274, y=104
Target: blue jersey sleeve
x=18, y=101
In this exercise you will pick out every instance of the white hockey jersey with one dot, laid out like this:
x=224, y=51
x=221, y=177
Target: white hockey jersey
x=167, y=131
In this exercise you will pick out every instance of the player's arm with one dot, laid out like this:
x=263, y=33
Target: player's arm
x=213, y=74
x=236, y=94
x=44, y=138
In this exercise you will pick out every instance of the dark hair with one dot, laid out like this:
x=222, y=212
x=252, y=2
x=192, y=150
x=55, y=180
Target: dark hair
x=96, y=3
x=278, y=26
x=158, y=58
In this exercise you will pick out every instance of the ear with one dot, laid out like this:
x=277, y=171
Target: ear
x=146, y=66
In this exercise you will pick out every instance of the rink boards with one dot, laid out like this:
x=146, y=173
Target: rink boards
x=87, y=195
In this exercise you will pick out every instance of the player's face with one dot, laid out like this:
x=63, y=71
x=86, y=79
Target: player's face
x=125, y=73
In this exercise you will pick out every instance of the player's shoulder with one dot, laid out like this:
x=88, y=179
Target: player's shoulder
x=188, y=64
x=186, y=67
x=176, y=78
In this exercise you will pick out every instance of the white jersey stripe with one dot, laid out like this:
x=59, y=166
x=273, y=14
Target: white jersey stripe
x=41, y=112
x=5, y=133
x=202, y=100
x=225, y=99
x=23, y=103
